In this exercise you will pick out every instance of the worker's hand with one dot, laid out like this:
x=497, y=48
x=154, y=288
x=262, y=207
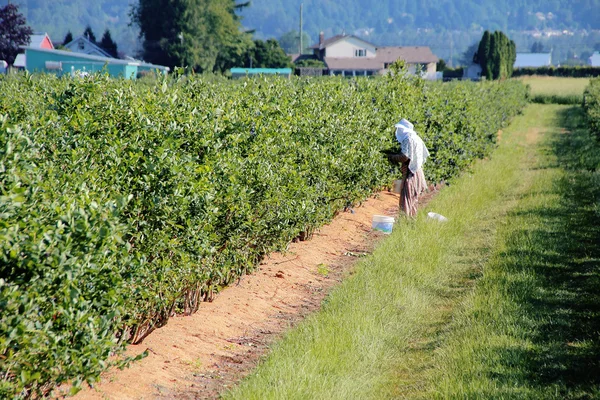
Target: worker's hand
x=404, y=169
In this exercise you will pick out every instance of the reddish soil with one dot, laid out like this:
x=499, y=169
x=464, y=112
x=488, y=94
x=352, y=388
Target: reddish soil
x=200, y=356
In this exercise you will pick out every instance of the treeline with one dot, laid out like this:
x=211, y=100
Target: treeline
x=124, y=202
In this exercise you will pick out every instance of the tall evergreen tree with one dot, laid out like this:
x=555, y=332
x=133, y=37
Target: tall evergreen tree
x=89, y=34
x=108, y=44
x=496, y=54
x=68, y=38
x=14, y=32
x=483, y=55
x=195, y=33
x=537, y=47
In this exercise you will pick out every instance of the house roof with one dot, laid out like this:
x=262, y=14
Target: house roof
x=89, y=44
x=533, y=60
x=337, y=38
x=19, y=61
x=384, y=55
x=410, y=54
x=37, y=39
x=90, y=57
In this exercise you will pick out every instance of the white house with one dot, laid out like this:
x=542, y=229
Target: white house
x=594, y=60
x=83, y=45
x=349, y=55
x=533, y=60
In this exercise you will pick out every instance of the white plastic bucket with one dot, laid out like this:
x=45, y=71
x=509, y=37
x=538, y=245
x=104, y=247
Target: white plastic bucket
x=383, y=223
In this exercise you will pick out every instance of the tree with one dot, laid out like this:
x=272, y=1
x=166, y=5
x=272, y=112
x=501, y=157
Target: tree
x=496, y=54
x=537, y=47
x=441, y=65
x=13, y=32
x=201, y=34
x=108, y=44
x=483, y=55
x=269, y=55
x=290, y=42
x=68, y=38
x=310, y=63
x=467, y=57
x=89, y=34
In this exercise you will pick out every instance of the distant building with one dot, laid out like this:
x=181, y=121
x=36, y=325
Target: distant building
x=60, y=62
x=348, y=55
x=83, y=45
x=37, y=40
x=594, y=60
x=472, y=72
x=533, y=60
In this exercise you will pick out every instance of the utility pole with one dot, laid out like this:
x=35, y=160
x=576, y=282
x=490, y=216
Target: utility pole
x=451, y=50
x=300, y=45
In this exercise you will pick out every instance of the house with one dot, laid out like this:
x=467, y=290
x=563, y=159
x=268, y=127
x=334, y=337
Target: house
x=83, y=45
x=594, y=60
x=348, y=55
x=37, y=40
x=533, y=60
x=60, y=62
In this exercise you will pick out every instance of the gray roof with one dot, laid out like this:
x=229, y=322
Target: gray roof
x=89, y=43
x=384, y=55
x=410, y=54
x=354, y=63
x=20, y=61
x=533, y=60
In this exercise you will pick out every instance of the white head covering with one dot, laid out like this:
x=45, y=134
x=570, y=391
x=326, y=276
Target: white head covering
x=413, y=148
x=403, y=129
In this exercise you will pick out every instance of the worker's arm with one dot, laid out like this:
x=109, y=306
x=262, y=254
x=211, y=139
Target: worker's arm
x=398, y=158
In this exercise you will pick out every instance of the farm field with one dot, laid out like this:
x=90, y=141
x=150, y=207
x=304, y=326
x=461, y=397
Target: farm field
x=500, y=302
x=409, y=319
x=125, y=204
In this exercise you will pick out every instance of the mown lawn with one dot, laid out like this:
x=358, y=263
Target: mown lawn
x=500, y=302
x=531, y=329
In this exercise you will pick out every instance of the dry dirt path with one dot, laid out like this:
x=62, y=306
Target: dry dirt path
x=201, y=355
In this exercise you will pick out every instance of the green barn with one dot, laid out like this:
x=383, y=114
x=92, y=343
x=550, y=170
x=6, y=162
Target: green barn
x=62, y=62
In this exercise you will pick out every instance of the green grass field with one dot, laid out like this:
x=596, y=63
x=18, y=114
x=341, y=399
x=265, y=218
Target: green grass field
x=556, y=90
x=550, y=85
x=500, y=302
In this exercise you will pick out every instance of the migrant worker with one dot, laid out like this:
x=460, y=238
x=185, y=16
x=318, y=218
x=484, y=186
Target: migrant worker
x=413, y=155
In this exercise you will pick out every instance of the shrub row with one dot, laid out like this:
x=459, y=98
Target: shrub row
x=123, y=203
x=567, y=71
x=591, y=105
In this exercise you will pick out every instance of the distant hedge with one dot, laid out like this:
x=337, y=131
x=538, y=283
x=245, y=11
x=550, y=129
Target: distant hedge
x=591, y=105
x=567, y=72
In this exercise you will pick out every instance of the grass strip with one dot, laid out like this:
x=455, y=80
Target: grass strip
x=531, y=330
x=375, y=335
